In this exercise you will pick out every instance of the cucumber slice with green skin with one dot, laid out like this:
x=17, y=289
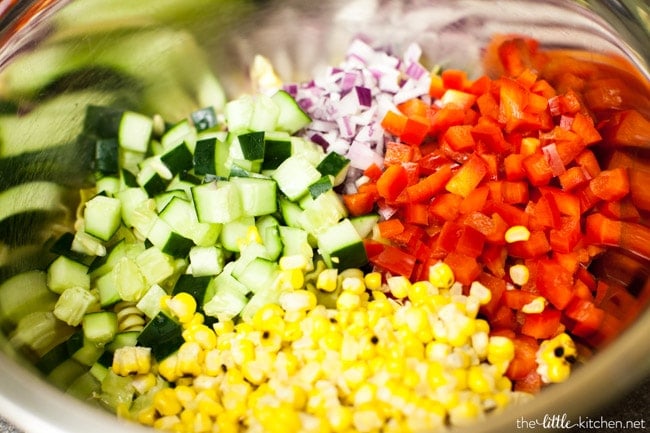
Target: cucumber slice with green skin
x=100, y=327
x=66, y=373
x=206, y=260
x=107, y=156
x=135, y=131
x=294, y=176
x=334, y=165
x=252, y=145
x=123, y=339
x=150, y=303
x=239, y=112
x=181, y=216
x=322, y=212
x=322, y=185
x=295, y=241
x=205, y=157
x=60, y=353
x=181, y=132
x=217, y=202
x=102, y=216
x=64, y=273
x=63, y=247
x=102, y=121
x=163, y=335
x=364, y=224
x=178, y=159
x=259, y=275
x=267, y=226
x=291, y=212
x=155, y=265
x=266, y=113
x=236, y=231
x=22, y=294
x=342, y=247
x=195, y=286
x=204, y=119
x=277, y=148
x=257, y=195
x=73, y=304
x=291, y=118
x=169, y=241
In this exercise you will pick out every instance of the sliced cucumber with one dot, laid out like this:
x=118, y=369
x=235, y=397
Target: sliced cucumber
x=291, y=117
x=64, y=273
x=342, y=247
x=163, y=335
x=294, y=176
x=102, y=216
x=334, y=165
x=258, y=196
x=135, y=131
x=100, y=327
x=217, y=202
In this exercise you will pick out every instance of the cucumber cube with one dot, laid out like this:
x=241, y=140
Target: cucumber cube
x=102, y=216
x=294, y=176
x=64, y=273
x=217, y=202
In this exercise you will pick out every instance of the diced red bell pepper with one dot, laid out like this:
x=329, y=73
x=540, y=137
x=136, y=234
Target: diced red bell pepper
x=445, y=207
x=490, y=135
x=516, y=299
x=467, y=177
x=397, y=153
x=471, y=242
x=459, y=138
x=585, y=317
x=416, y=213
x=524, y=361
x=538, y=169
x=536, y=246
x=611, y=184
x=394, y=123
x=359, y=203
x=392, y=181
x=543, y=325
x=466, y=269
x=565, y=238
x=426, y=188
x=373, y=171
x=573, y=178
x=494, y=258
x=513, y=166
x=497, y=286
x=390, y=228
x=632, y=237
x=391, y=259
x=554, y=283
x=415, y=130
x=583, y=126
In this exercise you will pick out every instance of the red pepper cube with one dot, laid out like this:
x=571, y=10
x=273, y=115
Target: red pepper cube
x=524, y=361
x=466, y=269
x=583, y=126
x=573, y=178
x=543, y=325
x=394, y=123
x=611, y=184
x=514, y=192
x=538, y=169
x=431, y=185
x=416, y=128
x=516, y=299
x=444, y=118
x=491, y=135
x=554, y=283
x=445, y=207
x=565, y=239
x=397, y=153
x=393, y=260
x=475, y=200
x=586, y=319
x=459, y=138
x=392, y=181
x=468, y=176
x=448, y=237
x=471, y=242
x=513, y=166
x=536, y=246
x=416, y=213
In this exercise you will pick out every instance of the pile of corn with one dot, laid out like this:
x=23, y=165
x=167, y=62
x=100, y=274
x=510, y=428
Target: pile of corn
x=391, y=357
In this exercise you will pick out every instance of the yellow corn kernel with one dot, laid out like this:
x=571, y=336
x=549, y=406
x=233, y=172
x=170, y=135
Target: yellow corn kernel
x=503, y=383
x=296, y=261
x=421, y=291
x=340, y=418
x=190, y=359
x=201, y=334
x=292, y=279
x=554, y=358
x=183, y=306
x=167, y=367
x=372, y=280
x=144, y=382
x=481, y=325
x=367, y=418
x=398, y=286
x=223, y=327
x=202, y=423
x=348, y=301
x=517, y=234
x=327, y=280
x=243, y=351
x=254, y=372
x=354, y=285
x=435, y=375
x=131, y=360
x=185, y=395
x=479, y=380
x=519, y=274
x=169, y=423
x=441, y=275
x=535, y=306
x=166, y=402
x=482, y=293
x=146, y=416
x=461, y=378
x=500, y=349
x=269, y=317
x=298, y=300
x=252, y=236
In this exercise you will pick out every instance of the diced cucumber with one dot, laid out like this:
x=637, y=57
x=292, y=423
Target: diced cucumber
x=163, y=335
x=206, y=260
x=235, y=232
x=150, y=304
x=181, y=132
x=155, y=265
x=259, y=275
x=102, y=121
x=295, y=241
x=129, y=279
x=195, y=286
x=322, y=212
x=178, y=159
x=291, y=212
x=154, y=176
x=88, y=353
x=63, y=247
x=322, y=185
x=239, y=112
x=106, y=286
x=364, y=224
x=205, y=156
x=291, y=117
x=267, y=227
x=22, y=294
x=102, y=216
x=342, y=247
x=130, y=199
x=217, y=202
x=265, y=114
x=109, y=185
x=294, y=176
x=169, y=242
x=65, y=374
x=100, y=327
x=204, y=118
x=84, y=388
x=225, y=304
x=73, y=304
x=98, y=371
x=257, y=195
x=277, y=148
x=39, y=332
x=307, y=149
x=163, y=199
x=180, y=215
x=123, y=339
x=60, y=353
x=64, y=273
x=251, y=145
x=135, y=131
x=107, y=156
x=258, y=300
x=334, y=165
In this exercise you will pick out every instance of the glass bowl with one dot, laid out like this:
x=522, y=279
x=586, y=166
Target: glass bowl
x=77, y=42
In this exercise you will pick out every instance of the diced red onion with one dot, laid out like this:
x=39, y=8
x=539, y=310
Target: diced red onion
x=566, y=122
x=362, y=156
x=385, y=211
x=364, y=96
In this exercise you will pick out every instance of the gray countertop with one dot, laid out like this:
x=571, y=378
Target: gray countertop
x=635, y=406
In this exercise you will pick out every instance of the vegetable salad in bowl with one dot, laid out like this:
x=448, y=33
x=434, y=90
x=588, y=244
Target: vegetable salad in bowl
x=389, y=245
